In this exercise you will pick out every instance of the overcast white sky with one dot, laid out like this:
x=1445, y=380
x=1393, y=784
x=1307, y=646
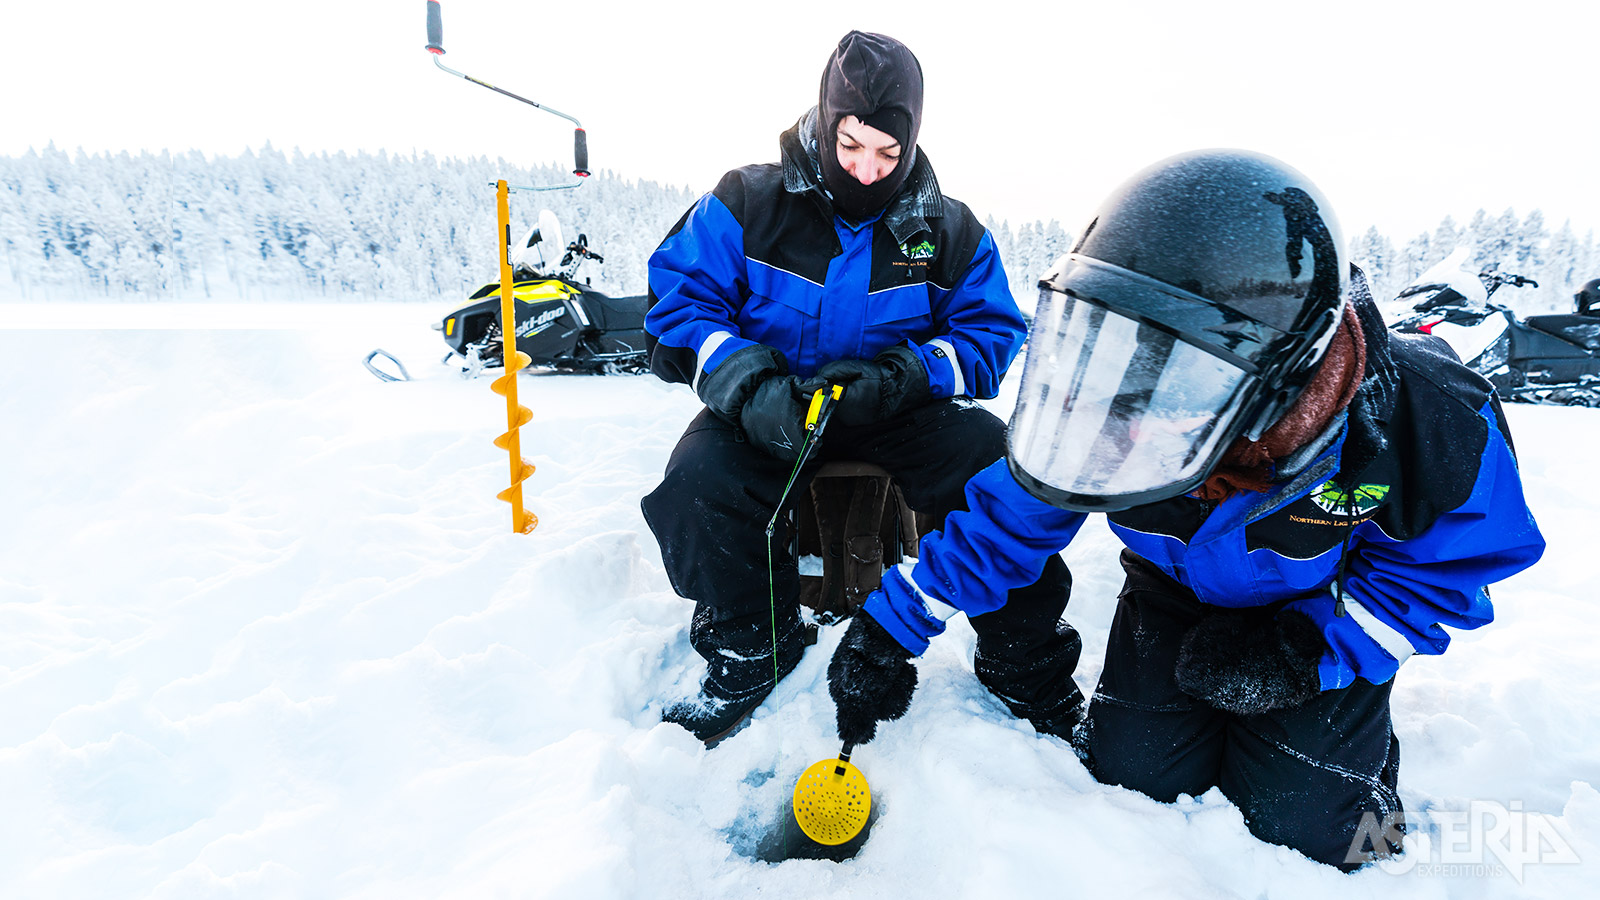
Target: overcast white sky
x=1401, y=111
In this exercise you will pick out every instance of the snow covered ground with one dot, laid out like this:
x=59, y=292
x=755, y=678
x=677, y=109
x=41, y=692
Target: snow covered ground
x=265, y=632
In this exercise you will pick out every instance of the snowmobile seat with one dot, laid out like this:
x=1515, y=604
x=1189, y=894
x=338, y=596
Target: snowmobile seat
x=1581, y=330
x=856, y=524
x=616, y=313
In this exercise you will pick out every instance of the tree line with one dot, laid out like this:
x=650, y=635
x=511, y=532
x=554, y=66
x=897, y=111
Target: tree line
x=268, y=225
x=1558, y=260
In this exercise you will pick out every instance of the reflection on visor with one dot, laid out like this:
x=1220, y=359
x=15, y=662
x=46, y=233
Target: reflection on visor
x=1109, y=406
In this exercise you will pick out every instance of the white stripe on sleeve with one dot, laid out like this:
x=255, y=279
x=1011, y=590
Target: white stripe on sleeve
x=1393, y=642
x=936, y=608
x=708, y=347
x=957, y=379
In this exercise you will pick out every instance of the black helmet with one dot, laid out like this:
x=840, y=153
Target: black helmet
x=1194, y=309
x=1588, y=296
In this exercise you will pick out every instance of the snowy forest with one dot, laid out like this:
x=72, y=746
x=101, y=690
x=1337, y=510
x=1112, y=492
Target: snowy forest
x=269, y=225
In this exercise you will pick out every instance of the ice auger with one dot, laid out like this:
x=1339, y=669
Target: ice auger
x=515, y=360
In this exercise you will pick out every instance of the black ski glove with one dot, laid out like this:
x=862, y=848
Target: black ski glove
x=870, y=678
x=774, y=419
x=880, y=388
x=1244, y=662
x=727, y=388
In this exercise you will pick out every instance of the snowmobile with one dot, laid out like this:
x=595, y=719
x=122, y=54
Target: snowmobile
x=1551, y=359
x=561, y=323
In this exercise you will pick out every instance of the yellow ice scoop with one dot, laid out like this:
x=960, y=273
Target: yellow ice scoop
x=832, y=800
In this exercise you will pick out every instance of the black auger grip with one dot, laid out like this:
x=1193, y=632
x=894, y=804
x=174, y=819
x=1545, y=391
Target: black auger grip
x=435, y=29
x=580, y=152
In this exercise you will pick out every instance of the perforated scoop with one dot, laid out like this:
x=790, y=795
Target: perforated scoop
x=832, y=800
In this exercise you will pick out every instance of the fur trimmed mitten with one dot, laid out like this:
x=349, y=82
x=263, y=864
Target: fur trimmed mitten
x=1247, y=663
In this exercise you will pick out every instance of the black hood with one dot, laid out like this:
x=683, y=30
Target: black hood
x=1374, y=402
x=876, y=79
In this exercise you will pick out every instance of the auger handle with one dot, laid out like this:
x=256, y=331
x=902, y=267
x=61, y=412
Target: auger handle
x=435, y=29
x=580, y=138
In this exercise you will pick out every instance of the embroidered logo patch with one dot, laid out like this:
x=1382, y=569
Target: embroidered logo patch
x=924, y=250
x=1364, y=499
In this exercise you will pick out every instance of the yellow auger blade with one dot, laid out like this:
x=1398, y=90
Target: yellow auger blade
x=832, y=800
x=517, y=415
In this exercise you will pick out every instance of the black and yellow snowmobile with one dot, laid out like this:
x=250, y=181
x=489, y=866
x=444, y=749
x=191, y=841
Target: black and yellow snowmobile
x=562, y=323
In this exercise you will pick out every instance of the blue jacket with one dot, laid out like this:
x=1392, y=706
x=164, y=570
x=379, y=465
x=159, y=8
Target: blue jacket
x=1418, y=498
x=762, y=259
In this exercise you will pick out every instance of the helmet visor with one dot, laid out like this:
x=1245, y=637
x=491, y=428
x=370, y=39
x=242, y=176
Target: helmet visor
x=1113, y=413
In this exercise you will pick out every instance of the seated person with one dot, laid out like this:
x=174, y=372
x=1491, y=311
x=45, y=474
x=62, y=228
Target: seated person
x=842, y=263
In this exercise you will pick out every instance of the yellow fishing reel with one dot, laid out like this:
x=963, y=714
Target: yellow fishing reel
x=814, y=420
x=832, y=800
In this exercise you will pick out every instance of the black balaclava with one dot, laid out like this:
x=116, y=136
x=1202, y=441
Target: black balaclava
x=877, y=80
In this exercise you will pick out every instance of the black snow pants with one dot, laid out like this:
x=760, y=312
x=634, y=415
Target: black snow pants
x=710, y=514
x=1304, y=778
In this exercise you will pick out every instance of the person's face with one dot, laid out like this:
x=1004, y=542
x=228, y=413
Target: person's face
x=865, y=152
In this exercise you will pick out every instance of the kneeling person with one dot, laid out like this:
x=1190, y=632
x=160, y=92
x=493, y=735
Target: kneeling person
x=1306, y=500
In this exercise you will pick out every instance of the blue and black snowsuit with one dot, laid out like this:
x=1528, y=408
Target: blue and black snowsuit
x=1384, y=532
x=763, y=259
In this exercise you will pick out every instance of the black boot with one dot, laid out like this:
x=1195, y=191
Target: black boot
x=716, y=711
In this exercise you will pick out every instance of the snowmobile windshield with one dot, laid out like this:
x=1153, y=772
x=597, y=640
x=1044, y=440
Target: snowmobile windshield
x=536, y=255
x=1426, y=298
x=1114, y=413
x=1416, y=289
x=1448, y=277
